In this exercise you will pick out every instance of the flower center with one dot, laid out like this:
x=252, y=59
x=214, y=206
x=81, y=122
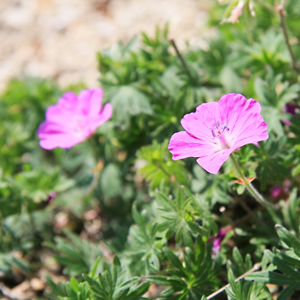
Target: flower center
x=218, y=131
x=78, y=125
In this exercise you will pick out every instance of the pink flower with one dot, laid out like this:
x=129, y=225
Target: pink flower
x=287, y=122
x=275, y=191
x=217, y=129
x=51, y=196
x=291, y=108
x=73, y=119
x=236, y=12
x=280, y=191
x=217, y=242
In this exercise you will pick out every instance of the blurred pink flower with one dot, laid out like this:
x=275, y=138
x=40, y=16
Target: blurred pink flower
x=291, y=108
x=73, y=119
x=217, y=242
x=287, y=122
x=50, y=197
x=275, y=191
x=280, y=191
x=236, y=12
x=217, y=129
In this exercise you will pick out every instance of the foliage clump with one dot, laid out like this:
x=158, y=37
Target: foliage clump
x=114, y=217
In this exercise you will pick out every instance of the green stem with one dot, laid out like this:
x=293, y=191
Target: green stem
x=267, y=5
x=30, y=217
x=184, y=64
x=250, y=28
x=90, y=189
x=160, y=166
x=1, y=231
x=255, y=194
x=94, y=145
x=256, y=267
x=286, y=37
x=92, y=186
x=251, y=213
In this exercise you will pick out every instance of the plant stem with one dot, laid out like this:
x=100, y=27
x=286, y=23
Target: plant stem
x=30, y=217
x=92, y=185
x=90, y=189
x=255, y=268
x=267, y=5
x=250, y=34
x=93, y=143
x=286, y=37
x=255, y=194
x=184, y=64
x=170, y=176
x=251, y=213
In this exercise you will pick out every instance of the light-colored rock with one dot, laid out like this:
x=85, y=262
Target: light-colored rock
x=59, y=38
x=37, y=284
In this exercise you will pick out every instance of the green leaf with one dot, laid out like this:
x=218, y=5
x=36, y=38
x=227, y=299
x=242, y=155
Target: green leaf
x=127, y=101
x=144, y=246
x=74, y=284
x=270, y=277
x=96, y=287
x=95, y=267
x=70, y=292
x=282, y=266
x=161, y=280
x=195, y=228
x=180, y=217
x=139, y=291
x=239, y=267
x=273, y=94
x=288, y=291
x=174, y=259
x=165, y=202
x=180, y=200
x=288, y=238
x=230, y=80
x=76, y=255
x=160, y=166
x=110, y=181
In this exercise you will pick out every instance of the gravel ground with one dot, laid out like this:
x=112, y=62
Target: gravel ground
x=59, y=38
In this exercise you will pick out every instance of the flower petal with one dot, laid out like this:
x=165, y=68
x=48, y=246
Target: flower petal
x=95, y=102
x=48, y=127
x=106, y=112
x=60, y=115
x=83, y=107
x=243, y=119
x=64, y=141
x=252, y=134
x=199, y=124
x=104, y=116
x=235, y=110
x=213, y=162
x=89, y=102
x=53, y=135
x=68, y=101
x=183, y=145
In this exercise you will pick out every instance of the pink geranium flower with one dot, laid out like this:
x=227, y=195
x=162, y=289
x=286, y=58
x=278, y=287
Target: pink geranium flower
x=217, y=242
x=73, y=119
x=236, y=12
x=217, y=129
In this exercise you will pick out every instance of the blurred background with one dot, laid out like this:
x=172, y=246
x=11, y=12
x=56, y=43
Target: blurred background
x=60, y=38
